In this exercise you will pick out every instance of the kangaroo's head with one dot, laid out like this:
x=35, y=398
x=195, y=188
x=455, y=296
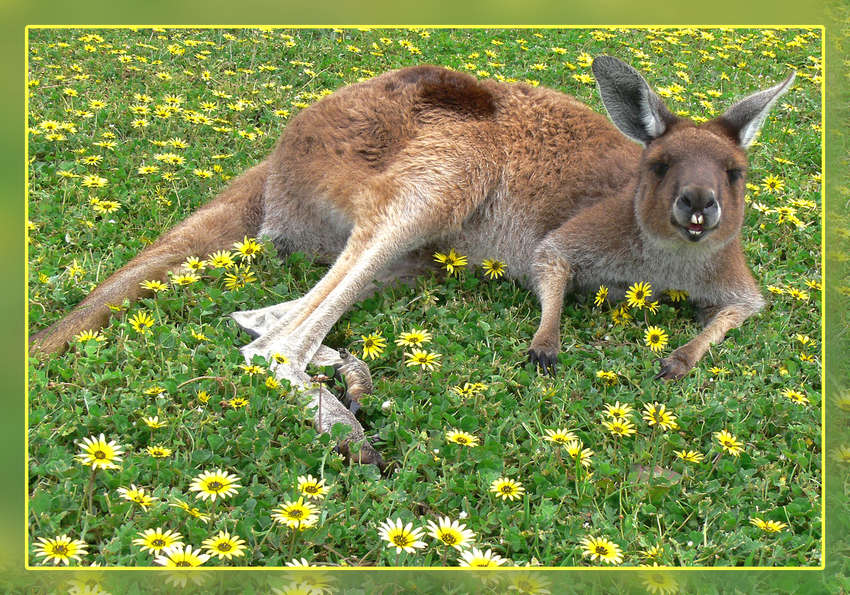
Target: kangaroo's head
x=691, y=186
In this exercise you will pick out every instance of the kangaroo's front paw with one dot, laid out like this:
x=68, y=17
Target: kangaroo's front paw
x=673, y=367
x=544, y=359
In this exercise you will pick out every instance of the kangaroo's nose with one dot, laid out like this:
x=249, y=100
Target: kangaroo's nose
x=696, y=199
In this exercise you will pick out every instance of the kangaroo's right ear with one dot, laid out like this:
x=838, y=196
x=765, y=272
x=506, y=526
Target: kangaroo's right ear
x=633, y=107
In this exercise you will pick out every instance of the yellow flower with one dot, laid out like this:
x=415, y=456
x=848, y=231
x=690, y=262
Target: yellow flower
x=620, y=426
x=462, y=438
x=156, y=540
x=373, y=345
x=296, y=515
x=691, y=456
x=97, y=453
x=559, y=436
x=506, y=488
x=312, y=488
x=404, y=538
x=452, y=261
x=768, y=526
x=638, y=294
x=604, y=550
x=493, y=269
x=423, y=359
x=655, y=338
x=658, y=414
x=60, y=549
x=214, y=484
x=451, y=533
x=224, y=545
x=729, y=443
x=137, y=495
x=141, y=322
x=601, y=296
x=413, y=338
x=475, y=558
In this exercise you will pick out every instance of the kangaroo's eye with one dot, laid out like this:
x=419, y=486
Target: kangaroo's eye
x=734, y=174
x=659, y=168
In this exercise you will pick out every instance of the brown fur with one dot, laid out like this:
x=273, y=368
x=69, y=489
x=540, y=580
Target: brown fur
x=426, y=156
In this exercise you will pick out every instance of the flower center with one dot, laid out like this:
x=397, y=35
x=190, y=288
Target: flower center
x=401, y=540
x=311, y=489
x=182, y=563
x=296, y=513
x=214, y=486
x=158, y=542
x=224, y=547
x=60, y=549
x=506, y=489
x=99, y=454
x=448, y=539
x=601, y=550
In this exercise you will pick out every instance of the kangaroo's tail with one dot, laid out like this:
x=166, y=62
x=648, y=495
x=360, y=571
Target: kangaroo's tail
x=233, y=214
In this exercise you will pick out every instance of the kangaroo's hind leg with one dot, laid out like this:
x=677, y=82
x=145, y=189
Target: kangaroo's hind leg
x=402, y=270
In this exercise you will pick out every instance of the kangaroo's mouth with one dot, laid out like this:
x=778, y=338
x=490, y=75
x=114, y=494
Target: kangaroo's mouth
x=695, y=230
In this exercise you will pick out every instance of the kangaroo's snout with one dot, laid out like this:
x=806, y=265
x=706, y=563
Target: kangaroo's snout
x=696, y=211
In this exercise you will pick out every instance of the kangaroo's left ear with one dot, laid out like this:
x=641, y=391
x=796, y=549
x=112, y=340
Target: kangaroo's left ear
x=744, y=119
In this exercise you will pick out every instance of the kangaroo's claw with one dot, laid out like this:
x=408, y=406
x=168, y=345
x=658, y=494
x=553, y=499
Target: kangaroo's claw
x=546, y=362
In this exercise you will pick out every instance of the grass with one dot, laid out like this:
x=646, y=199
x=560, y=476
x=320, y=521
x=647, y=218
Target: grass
x=255, y=81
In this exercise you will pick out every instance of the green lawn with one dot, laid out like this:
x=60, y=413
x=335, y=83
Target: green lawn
x=105, y=103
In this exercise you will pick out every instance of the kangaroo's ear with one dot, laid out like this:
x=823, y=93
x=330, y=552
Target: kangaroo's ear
x=633, y=107
x=744, y=119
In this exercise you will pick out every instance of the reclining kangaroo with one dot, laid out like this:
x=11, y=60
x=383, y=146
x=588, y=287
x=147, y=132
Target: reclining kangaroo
x=374, y=175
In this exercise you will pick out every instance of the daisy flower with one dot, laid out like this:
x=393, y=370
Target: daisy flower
x=156, y=540
x=655, y=338
x=97, y=453
x=451, y=533
x=618, y=410
x=452, y=261
x=214, y=484
x=312, y=488
x=604, y=550
x=224, y=545
x=506, y=488
x=462, y=438
x=248, y=248
x=404, y=538
x=656, y=414
x=180, y=556
x=137, y=495
x=373, y=345
x=690, y=456
x=729, y=443
x=768, y=526
x=413, y=338
x=141, y=322
x=493, y=269
x=620, y=426
x=475, y=558
x=158, y=452
x=796, y=396
x=581, y=455
x=601, y=296
x=61, y=550
x=560, y=436
x=638, y=294
x=424, y=359
x=297, y=514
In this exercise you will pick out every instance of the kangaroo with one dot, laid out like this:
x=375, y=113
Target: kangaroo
x=373, y=176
